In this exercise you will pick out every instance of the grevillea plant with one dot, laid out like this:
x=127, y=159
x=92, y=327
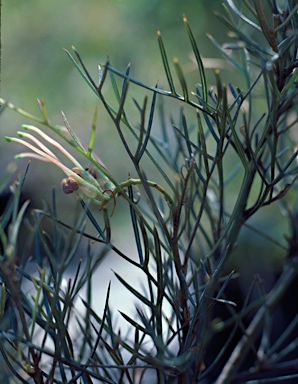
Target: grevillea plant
x=187, y=328
x=92, y=183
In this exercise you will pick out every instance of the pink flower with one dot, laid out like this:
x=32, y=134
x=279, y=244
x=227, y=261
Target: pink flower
x=86, y=182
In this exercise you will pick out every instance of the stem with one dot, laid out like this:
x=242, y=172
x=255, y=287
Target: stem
x=130, y=182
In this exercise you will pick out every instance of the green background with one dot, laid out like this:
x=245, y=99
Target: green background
x=35, y=65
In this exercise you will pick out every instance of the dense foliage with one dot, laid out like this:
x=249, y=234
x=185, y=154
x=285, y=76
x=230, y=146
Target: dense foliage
x=188, y=325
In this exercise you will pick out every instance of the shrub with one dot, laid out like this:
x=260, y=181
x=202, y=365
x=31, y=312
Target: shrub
x=187, y=328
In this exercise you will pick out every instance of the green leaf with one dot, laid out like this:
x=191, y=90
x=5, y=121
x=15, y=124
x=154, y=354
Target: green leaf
x=92, y=136
x=134, y=323
x=72, y=134
x=92, y=86
x=165, y=63
x=181, y=79
x=198, y=59
x=136, y=293
x=148, y=130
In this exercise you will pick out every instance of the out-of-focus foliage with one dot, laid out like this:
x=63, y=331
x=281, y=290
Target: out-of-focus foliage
x=35, y=65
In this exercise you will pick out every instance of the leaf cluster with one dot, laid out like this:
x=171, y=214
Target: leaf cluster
x=185, y=227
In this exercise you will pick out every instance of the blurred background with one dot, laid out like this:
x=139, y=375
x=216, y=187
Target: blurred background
x=34, y=65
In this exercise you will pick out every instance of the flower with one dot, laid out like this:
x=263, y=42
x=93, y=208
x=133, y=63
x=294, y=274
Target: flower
x=86, y=182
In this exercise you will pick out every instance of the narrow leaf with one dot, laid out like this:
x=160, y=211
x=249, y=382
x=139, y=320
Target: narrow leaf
x=133, y=323
x=198, y=59
x=93, y=220
x=134, y=291
x=165, y=63
x=149, y=126
x=181, y=79
x=93, y=130
x=135, y=226
x=71, y=132
x=90, y=83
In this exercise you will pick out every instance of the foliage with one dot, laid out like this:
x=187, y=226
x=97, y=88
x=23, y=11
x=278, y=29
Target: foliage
x=184, y=228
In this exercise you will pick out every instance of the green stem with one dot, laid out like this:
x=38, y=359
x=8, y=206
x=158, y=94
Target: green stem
x=237, y=218
x=130, y=182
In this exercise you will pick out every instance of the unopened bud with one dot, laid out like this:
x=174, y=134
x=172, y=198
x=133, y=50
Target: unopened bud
x=69, y=185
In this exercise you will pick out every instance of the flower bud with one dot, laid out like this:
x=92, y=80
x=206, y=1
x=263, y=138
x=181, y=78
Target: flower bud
x=69, y=185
